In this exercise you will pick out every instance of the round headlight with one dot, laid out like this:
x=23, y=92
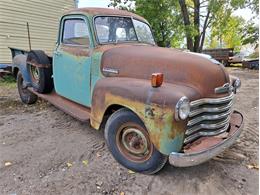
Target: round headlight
x=182, y=110
x=237, y=83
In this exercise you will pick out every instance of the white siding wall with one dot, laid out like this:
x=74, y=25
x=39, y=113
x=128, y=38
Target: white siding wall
x=43, y=18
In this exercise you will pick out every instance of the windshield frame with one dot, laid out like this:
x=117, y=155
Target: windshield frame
x=120, y=42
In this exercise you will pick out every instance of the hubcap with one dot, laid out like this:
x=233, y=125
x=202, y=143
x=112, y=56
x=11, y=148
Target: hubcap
x=133, y=142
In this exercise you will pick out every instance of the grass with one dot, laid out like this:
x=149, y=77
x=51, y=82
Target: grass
x=8, y=81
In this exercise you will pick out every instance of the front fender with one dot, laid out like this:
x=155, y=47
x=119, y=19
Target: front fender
x=154, y=106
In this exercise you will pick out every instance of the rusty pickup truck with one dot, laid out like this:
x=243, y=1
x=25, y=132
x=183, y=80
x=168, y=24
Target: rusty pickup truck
x=157, y=104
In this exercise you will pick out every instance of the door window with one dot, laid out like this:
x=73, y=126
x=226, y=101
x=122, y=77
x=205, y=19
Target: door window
x=75, y=32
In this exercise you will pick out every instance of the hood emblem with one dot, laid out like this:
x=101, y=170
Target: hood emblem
x=226, y=88
x=111, y=70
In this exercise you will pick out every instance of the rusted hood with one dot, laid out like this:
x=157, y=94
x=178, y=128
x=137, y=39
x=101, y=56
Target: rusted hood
x=178, y=67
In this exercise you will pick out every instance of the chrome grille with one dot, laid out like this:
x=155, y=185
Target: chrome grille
x=208, y=117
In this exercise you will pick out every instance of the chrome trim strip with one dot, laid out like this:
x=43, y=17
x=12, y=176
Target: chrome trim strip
x=110, y=70
x=212, y=100
x=206, y=109
x=208, y=117
x=205, y=133
x=207, y=126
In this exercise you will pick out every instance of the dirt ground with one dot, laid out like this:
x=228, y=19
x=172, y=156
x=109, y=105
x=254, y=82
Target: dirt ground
x=44, y=151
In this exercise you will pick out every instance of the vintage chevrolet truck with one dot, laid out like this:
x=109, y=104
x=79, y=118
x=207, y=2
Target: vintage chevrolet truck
x=157, y=104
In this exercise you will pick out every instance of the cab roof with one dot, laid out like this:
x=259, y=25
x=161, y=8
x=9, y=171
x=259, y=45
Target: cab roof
x=105, y=11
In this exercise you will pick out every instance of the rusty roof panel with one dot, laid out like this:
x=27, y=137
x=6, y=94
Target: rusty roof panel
x=105, y=11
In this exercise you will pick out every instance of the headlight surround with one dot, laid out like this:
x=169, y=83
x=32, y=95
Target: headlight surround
x=182, y=109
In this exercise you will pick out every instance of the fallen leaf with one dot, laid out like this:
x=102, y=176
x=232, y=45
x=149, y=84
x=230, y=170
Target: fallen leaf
x=131, y=172
x=85, y=162
x=253, y=166
x=69, y=164
x=8, y=164
x=99, y=183
x=98, y=155
x=122, y=193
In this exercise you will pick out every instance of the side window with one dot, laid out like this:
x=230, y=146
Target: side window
x=75, y=32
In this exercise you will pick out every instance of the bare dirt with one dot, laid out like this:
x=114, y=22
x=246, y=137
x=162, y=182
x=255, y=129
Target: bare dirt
x=44, y=151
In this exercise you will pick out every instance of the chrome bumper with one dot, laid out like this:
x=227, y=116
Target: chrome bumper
x=198, y=157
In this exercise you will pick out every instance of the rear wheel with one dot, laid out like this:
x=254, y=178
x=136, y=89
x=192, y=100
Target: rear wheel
x=41, y=77
x=26, y=96
x=130, y=144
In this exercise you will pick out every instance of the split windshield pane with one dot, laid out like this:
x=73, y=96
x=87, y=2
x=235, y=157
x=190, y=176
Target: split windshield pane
x=113, y=29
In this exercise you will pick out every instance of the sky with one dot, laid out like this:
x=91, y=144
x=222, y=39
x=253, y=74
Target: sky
x=93, y=3
x=245, y=13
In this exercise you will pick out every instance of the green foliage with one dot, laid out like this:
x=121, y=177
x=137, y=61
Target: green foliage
x=163, y=18
x=227, y=33
x=176, y=20
x=122, y=4
x=250, y=34
x=7, y=80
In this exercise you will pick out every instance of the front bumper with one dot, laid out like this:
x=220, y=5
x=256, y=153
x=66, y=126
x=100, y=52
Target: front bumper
x=206, y=148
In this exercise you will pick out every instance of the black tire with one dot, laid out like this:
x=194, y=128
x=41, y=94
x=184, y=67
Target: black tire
x=150, y=162
x=43, y=82
x=26, y=96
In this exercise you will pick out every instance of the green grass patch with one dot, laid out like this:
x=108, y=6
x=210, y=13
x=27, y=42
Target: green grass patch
x=8, y=81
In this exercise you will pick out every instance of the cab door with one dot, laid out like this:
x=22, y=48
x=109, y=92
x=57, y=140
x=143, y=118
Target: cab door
x=72, y=60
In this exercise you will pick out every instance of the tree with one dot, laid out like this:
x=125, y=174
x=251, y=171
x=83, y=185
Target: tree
x=250, y=34
x=191, y=19
x=164, y=20
x=227, y=33
x=161, y=15
x=122, y=4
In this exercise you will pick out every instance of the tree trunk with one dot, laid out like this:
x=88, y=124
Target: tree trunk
x=197, y=25
x=186, y=19
x=203, y=33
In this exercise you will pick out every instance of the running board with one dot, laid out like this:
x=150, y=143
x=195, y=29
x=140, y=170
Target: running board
x=75, y=110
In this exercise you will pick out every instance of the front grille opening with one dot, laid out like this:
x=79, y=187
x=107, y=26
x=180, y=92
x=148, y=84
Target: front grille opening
x=208, y=117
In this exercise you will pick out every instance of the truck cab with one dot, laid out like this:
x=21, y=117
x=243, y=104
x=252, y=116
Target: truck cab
x=157, y=104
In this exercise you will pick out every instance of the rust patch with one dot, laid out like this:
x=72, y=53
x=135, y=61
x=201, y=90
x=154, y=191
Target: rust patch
x=177, y=67
x=139, y=96
x=178, y=127
x=204, y=143
x=76, y=51
x=105, y=11
x=35, y=63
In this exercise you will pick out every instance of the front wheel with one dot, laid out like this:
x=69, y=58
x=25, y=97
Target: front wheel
x=130, y=144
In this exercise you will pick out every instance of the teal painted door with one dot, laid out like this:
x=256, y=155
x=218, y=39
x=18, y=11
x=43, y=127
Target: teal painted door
x=72, y=62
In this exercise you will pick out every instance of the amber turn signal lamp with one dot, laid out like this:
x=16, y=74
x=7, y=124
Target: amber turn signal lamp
x=157, y=79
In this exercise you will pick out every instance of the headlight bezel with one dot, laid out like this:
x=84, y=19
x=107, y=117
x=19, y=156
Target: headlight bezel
x=183, y=102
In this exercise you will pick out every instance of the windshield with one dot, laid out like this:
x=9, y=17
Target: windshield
x=111, y=29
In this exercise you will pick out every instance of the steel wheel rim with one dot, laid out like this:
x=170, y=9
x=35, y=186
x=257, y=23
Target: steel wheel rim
x=35, y=73
x=134, y=143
